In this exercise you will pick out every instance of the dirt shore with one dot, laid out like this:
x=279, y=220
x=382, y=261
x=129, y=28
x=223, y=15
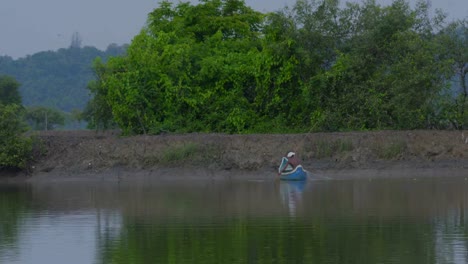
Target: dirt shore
x=65, y=155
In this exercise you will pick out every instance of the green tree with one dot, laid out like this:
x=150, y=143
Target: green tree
x=44, y=118
x=219, y=66
x=9, y=93
x=307, y=39
x=388, y=74
x=454, y=41
x=98, y=112
x=15, y=149
x=190, y=69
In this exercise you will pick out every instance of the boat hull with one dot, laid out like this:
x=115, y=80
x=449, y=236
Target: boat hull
x=298, y=174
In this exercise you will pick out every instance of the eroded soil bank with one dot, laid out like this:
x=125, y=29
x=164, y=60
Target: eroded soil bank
x=107, y=155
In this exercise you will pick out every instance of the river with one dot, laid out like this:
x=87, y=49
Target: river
x=397, y=220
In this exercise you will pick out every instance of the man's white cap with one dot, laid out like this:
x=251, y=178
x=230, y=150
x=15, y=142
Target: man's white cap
x=290, y=154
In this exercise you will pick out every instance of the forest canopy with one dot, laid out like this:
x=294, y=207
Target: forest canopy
x=220, y=66
x=57, y=79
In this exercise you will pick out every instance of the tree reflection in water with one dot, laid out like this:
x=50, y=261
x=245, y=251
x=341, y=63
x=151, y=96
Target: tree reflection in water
x=348, y=221
x=14, y=203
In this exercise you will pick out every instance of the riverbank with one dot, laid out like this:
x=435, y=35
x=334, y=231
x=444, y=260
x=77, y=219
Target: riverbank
x=107, y=155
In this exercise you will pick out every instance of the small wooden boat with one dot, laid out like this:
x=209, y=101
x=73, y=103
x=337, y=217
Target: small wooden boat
x=289, y=174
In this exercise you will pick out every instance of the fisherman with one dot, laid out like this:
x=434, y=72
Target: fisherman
x=293, y=162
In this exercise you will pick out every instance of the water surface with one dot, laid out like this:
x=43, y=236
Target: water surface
x=243, y=221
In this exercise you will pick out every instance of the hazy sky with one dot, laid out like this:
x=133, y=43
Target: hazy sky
x=30, y=26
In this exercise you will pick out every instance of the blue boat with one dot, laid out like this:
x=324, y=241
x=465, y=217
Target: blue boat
x=289, y=174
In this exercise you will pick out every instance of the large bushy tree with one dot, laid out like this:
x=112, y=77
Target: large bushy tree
x=219, y=66
x=388, y=74
x=193, y=68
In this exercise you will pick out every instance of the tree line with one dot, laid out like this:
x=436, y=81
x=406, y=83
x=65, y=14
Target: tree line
x=220, y=66
x=42, y=92
x=56, y=81
x=16, y=119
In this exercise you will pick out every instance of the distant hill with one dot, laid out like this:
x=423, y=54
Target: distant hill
x=57, y=79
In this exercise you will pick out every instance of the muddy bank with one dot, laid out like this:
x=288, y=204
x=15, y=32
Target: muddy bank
x=107, y=155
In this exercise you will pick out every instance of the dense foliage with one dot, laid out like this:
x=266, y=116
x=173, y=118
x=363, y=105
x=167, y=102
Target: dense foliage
x=179, y=75
x=14, y=147
x=220, y=66
x=454, y=41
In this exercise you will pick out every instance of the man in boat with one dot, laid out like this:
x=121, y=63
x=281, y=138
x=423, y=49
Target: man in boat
x=293, y=162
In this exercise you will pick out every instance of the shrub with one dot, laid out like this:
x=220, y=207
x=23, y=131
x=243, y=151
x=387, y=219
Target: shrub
x=15, y=148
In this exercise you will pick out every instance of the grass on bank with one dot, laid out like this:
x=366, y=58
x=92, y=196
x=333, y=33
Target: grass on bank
x=390, y=150
x=327, y=149
x=191, y=152
x=180, y=153
x=384, y=150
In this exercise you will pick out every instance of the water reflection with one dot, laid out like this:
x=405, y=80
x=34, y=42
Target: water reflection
x=14, y=203
x=384, y=221
x=451, y=236
x=291, y=194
